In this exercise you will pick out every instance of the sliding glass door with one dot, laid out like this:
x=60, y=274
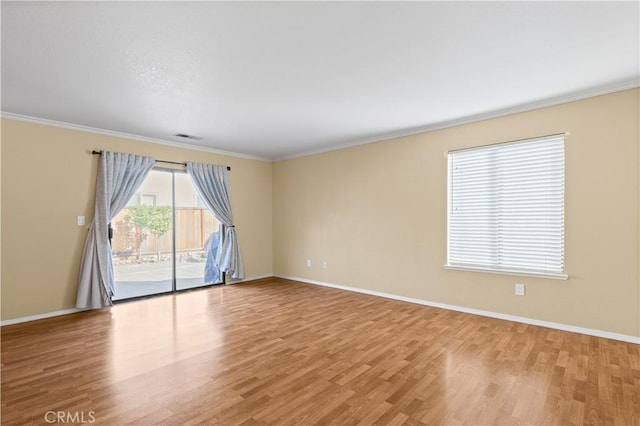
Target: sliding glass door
x=162, y=240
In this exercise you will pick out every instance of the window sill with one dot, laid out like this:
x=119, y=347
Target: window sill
x=508, y=272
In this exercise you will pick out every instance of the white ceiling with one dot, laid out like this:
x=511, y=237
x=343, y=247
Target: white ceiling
x=279, y=79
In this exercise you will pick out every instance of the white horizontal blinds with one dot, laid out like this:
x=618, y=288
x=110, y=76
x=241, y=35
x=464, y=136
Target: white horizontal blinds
x=506, y=207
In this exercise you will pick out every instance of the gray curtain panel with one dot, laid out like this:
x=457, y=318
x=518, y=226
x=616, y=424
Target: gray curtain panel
x=212, y=183
x=119, y=177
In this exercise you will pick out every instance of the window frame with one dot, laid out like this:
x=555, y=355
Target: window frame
x=495, y=270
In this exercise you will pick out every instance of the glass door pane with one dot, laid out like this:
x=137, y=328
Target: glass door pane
x=196, y=238
x=142, y=241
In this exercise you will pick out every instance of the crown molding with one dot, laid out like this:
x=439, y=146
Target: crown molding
x=71, y=126
x=575, y=96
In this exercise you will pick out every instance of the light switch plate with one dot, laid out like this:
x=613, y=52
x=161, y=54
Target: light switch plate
x=81, y=221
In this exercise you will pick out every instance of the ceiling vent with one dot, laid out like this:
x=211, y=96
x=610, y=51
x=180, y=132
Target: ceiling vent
x=185, y=136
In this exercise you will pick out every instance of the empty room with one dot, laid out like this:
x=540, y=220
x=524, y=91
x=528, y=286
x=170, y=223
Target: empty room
x=320, y=213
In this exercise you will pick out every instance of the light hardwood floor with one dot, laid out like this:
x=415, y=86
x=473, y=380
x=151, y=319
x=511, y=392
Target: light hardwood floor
x=279, y=352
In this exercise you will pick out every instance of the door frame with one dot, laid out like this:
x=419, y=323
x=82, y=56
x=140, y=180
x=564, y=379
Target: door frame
x=174, y=282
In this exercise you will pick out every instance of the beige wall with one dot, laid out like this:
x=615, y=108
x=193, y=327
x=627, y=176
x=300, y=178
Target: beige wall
x=377, y=214
x=48, y=179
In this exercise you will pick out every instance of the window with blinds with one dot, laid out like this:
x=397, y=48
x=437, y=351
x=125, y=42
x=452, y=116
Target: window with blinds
x=506, y=207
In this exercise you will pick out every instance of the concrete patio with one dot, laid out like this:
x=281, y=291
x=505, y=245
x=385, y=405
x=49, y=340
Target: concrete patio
x=135, y=280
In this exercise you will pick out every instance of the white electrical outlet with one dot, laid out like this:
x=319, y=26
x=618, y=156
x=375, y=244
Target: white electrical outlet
x=81, y=221
x=308, y=263
x=519, y=289
x=325, y=265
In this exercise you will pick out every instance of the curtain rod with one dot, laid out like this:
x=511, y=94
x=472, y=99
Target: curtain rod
x=94, y=152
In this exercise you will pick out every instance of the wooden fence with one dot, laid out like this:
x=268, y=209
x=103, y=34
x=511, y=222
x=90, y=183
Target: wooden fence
x=193, y=226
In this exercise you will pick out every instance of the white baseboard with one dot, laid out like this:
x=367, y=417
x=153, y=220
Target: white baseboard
x=74, y=310
x=250, y=279
x=514, y=318
x=41, y=316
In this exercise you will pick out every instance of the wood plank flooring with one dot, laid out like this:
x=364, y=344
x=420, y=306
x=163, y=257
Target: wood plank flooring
x=279, y=353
